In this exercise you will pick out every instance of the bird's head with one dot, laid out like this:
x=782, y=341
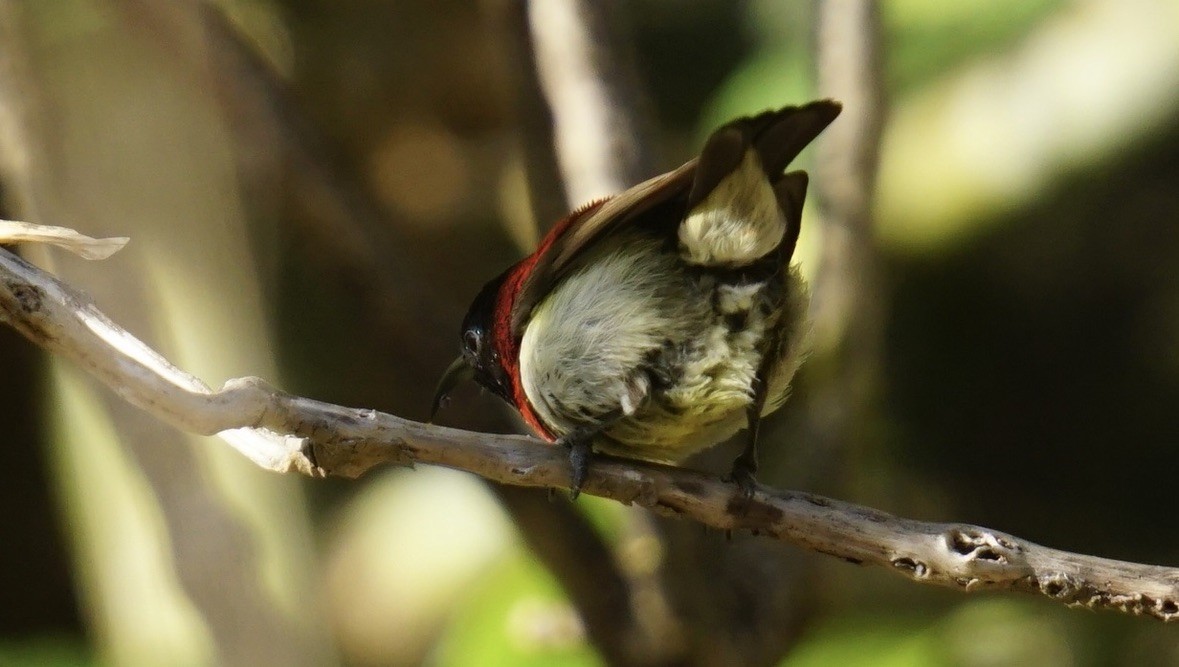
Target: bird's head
x=482, y=341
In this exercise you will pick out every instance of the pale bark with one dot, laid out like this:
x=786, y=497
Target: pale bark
x=287, y=433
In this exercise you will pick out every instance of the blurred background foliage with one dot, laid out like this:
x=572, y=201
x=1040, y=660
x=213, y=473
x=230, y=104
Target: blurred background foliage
x=1027, y=216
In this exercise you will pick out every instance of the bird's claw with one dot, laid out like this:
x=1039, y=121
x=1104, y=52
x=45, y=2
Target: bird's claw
x=580, y=453
x=743, y=475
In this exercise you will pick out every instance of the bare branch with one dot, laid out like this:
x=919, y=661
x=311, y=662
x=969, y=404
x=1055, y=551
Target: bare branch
x=63, y=321
x=348, y=442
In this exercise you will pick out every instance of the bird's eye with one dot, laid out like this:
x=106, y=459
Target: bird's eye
x=472, y=341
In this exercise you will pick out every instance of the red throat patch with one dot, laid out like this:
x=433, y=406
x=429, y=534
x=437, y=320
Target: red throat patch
x=508, y=347
x=506, y=343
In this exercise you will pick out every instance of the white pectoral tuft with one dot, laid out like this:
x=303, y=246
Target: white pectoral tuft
x=739, y=222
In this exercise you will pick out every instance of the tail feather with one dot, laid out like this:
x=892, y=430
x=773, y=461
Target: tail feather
x=791, y=193
x=779, y=136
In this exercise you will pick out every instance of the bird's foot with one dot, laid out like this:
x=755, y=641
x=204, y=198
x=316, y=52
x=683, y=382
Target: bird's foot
x=743, y=475
x=580, y=454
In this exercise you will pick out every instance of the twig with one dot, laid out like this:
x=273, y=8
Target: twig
x=84, y=246
x=589, y=80
x=849, y=300
x=348, y=442
x=546, y=189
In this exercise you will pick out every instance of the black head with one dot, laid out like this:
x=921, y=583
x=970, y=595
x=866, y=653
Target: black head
x=478, y=339
x=479, y=358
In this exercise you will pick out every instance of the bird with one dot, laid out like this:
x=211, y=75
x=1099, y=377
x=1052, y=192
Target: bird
x=662, y=320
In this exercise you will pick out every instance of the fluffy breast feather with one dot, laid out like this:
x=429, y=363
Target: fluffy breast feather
x=636, y=336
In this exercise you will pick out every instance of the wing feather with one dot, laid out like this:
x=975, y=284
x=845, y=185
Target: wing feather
x=778, y=136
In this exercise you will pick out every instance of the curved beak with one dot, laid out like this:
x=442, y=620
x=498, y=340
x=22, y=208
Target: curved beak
x=458, y=371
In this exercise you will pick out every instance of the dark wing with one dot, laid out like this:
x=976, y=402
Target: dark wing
x=778, y=137
x=566, y=242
